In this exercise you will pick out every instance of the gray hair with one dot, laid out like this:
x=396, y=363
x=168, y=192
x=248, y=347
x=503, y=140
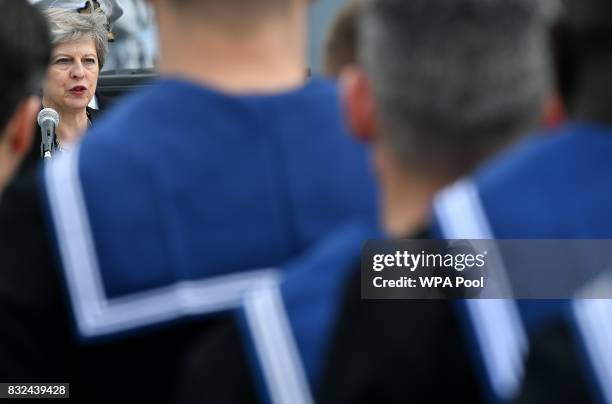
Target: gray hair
x=454, y=79
x=67, y=25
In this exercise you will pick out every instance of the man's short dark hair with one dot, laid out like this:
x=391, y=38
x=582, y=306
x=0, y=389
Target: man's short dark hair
x=341, y=42
x=25, y=51
x=582, y=43
x=454, y=79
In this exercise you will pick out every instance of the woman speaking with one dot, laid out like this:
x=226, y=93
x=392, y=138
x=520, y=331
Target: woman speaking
x=80, y=31
x=80, y=45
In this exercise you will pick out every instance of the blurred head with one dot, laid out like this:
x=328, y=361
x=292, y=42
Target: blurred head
x=340, y=45
x=238, y=46
x=583, y=53
x=239, y=16
x=80, y=45
x=444, y=83
x=24, y=51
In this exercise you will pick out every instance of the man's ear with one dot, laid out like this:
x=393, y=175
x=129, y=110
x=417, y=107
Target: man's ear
x=19, y=131
x=358, y=102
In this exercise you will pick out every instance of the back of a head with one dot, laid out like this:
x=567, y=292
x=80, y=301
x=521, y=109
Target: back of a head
x=454, y=80
x=589, y=16
x=25, y=51
x=583, y=46
x=341, y=41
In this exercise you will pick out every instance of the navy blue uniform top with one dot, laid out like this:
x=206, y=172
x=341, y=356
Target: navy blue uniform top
x=548, y=187
x=553, y=186
x=178, y=201
x=309, y=337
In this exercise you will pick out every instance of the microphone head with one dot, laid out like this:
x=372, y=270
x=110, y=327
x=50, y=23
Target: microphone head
x=48, y=114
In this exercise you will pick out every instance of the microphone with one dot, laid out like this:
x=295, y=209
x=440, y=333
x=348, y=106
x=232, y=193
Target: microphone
x=48, y=119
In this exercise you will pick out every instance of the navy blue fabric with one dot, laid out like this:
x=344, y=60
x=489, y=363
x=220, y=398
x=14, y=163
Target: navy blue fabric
x=555, y=186
x=475, y=351
x=550, y=186
x=580, y=346
x=257, y=373
x=312, y=288
x=182, y=182
x=313, y=291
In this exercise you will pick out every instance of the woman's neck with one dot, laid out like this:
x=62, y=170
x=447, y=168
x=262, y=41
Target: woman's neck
x=73, y=123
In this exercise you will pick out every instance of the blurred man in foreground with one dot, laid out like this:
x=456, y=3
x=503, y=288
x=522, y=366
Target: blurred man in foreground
x=25, y=53
x=177, y=202
x=441, y=86
x=548, y=187
x=570, y=359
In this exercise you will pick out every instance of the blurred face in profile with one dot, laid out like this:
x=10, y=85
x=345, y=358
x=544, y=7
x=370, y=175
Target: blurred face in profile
x=72, y=76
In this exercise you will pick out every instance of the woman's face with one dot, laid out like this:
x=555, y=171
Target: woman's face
x=73, y=75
